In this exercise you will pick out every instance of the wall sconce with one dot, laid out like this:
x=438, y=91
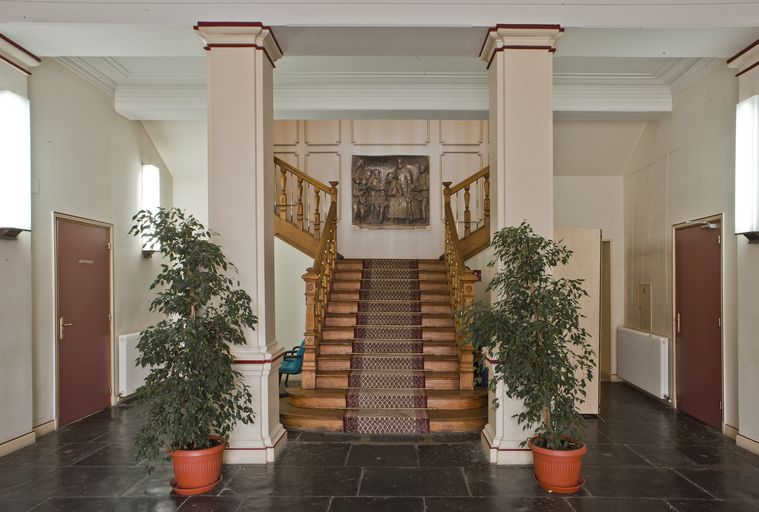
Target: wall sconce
x=747, y=169
x=15, y=166
x=151, y=200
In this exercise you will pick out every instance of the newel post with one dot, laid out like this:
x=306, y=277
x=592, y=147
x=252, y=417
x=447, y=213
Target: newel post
x=333, y=192
x=466, y=355
x=308, y=377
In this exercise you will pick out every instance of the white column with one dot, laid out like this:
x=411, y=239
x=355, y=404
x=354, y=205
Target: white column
x=746, y=64
x=241, y=58
x=520, y=61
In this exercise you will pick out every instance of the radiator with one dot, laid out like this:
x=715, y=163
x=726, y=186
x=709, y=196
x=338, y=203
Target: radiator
x=643, y=360
x=131, y=376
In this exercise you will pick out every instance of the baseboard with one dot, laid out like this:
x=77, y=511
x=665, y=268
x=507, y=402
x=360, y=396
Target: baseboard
x=616, y=378
x=747, y=443
x=729, y=431
x=44, y=428
x=17, y=443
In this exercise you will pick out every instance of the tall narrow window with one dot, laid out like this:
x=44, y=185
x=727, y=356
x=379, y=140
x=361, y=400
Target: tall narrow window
x=15, y=165
x=747, y=169
x=151, y=200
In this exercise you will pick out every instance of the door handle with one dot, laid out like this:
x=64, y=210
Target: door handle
x=61, y=327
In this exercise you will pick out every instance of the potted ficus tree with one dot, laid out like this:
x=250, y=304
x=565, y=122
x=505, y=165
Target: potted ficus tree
x=193, y=397
x=542, y=356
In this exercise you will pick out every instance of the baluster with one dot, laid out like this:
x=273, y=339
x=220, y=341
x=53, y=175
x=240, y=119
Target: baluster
x=486, y=201
x=299, y=205
x=311, y=336
x=283, y=193
x=447, y=191
x=467, y=213
x=317, y=214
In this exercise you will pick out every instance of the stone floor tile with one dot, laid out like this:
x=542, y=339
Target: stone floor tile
x=452, y=455
x=592, y=504
x=314, y=454
x=272, y=480
x=375, y=504
x=383, y=455
x=499, y=504
x=413, y=482
x=639, y=483
x=164, y=504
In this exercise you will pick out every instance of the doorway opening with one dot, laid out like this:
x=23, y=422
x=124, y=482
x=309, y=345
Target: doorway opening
x=697, y=325
x=83, y=317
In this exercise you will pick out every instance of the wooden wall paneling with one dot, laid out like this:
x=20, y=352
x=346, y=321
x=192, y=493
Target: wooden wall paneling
x=322, y=132
x=461, y=132
x=386, y=132
x=286, y=133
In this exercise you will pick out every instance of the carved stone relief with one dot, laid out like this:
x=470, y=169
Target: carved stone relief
x=390, y=191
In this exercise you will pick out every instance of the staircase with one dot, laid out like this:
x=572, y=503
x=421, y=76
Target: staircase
x=388, y=359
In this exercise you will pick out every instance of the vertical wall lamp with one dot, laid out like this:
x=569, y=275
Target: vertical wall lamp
x=151, y=200
x=15, y=166
x=747, y=169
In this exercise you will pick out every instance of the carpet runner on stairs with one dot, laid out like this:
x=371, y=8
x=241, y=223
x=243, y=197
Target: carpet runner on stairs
x=386, y=381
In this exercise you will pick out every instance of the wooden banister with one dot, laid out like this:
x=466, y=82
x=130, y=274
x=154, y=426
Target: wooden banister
x=474, y=217
x=318, y=280
x=299, y=209
x=461, y=288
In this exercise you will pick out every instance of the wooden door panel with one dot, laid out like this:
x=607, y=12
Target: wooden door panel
x=698, y=334
x=83, y=332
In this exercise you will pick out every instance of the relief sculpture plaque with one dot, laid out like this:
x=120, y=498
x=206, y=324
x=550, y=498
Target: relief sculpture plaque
x=390, y=191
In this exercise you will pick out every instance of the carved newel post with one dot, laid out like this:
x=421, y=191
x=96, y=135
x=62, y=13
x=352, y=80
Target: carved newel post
x=308, y=377
x=466, y=357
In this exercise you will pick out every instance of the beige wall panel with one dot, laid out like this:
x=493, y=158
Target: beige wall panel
x=586, y=265
x=322, y=132
x=324, y=165
x=461, y=133
x=457, y=165
x=291, y=157
x=390, y=132
x=286, y=133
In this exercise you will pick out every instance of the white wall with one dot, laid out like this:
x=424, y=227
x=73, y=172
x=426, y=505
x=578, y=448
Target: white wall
x=596, y=202
x=683, y=170
x=87, y=159
x=748, y=319
x=289, y=266
x=15, y=313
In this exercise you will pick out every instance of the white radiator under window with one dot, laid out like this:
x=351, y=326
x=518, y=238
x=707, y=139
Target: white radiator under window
x=131, y=376
x=643, y=360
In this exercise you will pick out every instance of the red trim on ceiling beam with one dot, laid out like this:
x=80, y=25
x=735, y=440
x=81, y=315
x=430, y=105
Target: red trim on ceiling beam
x=239, y=24
x=518, y=26
x=19, y=47
x=549, y=49
x=749, y=47
x=240, y=45
x=22, y=69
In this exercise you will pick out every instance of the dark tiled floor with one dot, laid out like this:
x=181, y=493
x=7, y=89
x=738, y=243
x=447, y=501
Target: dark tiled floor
x=642, y=457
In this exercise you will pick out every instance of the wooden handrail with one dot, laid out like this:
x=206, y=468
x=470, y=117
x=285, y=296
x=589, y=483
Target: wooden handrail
x=461, y=288
x=318, y=280
x=485, y=171
x=475, y=230
x=305, y=177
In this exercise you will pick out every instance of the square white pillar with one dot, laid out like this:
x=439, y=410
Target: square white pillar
x=241, y=58
x=520, y=61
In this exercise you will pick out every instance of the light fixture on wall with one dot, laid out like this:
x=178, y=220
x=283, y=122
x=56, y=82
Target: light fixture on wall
x=747, y=169
x=151, y=200
x=15, y=166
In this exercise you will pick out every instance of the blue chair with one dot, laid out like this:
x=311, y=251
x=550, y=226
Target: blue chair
x=292, y=363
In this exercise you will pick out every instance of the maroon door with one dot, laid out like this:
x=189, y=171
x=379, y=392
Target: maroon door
x=698, y=332
x=83, y=329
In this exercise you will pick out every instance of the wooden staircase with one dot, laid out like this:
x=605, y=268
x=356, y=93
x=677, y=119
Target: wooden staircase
x=432, y=352
x=384, y=352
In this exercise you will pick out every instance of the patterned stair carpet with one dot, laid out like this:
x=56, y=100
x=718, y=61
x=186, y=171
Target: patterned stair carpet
x=386, y=382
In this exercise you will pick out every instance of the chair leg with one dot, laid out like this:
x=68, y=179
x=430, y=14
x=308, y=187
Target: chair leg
x=280, y=379
x=287, y=379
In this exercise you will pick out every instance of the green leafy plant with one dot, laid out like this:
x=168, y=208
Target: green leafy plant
x=532, y=331
x=192, y=391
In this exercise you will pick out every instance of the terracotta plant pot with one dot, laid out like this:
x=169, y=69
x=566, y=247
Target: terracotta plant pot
x=197, y=471
x=558, y=470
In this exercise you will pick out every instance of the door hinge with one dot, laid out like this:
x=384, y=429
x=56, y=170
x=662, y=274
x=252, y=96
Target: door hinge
x=719, y=321
x=719, y=239
x=720, y=405
x=108, y=246
x=109, y=318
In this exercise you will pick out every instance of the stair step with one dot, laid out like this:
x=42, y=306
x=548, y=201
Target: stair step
x=389, y=362
x=388, y=333
x=331, y=420
x=433, y=380
x=387, y=319
x=429, y=348
x=351, y=306
x=421, y=275
x=436, y=398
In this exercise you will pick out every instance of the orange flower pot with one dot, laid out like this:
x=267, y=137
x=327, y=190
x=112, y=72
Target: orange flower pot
x=197, y=471
x=558, y=470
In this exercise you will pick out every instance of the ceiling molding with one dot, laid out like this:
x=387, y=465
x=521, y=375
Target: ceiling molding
x=87, y=69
